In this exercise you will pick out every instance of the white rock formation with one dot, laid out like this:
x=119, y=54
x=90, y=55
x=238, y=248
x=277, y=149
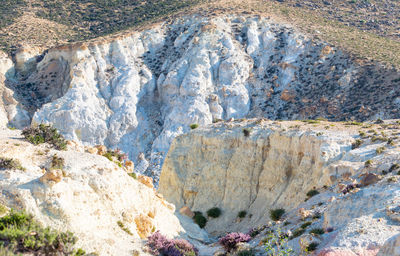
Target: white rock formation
x=274, y=167
x=10, y=110
x=139, y=91
x=88, y=197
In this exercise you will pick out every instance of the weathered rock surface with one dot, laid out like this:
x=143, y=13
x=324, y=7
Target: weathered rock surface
x=88, y=197
x=391, y=247
x=139, y=91
x=275, y=166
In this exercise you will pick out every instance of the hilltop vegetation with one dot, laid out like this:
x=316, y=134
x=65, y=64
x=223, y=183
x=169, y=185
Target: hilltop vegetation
x=99, y=17
x=367, y=28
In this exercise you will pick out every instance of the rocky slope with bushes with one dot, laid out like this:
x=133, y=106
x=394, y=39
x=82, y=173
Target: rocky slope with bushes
x=335, y=185
x=106, y=206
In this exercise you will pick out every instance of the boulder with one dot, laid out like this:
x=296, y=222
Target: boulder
x=186, y=211
x=369, y=179
x=144, y=225
x=130, y=166
x=146, y=181
x=51, y=176
x=101, y=149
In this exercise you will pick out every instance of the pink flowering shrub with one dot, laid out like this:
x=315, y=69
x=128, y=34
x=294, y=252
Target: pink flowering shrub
x=230, y=241
x=160, y=245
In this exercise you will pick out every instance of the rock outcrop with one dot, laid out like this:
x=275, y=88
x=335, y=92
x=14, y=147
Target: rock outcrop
x=312, y=170
x=137, y=92
x=109, y=211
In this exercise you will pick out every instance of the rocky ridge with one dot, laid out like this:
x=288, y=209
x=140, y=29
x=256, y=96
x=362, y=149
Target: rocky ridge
x=139, y=91
x=108, y=210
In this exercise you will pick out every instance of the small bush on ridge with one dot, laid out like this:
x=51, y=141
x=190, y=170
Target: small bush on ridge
x=214, y=212
x=276, y=214
x=317, y=231
x=312, y=247
x=45, y=133
x=57, y=162
x=306, y=224
x=10, y=164
x=242, y=214
x=312, y=192
x=199, y=219
x=194, y=126
x=246, y=132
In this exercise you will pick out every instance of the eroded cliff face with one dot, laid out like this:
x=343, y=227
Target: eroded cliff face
x=139, y=91
x=260, y=165
x=269, y=169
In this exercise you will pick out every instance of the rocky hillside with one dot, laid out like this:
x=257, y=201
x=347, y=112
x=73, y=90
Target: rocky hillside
x=337, y=183
x=85, y=193
x=139, y=91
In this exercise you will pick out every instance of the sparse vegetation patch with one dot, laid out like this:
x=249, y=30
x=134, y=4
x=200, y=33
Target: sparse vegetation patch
x=276, y=214
x=214, y=212
x=20, y=233
x=10, y=164
x=199, y=219
x=45, y=134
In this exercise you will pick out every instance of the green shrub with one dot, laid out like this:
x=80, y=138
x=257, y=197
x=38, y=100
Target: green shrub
x=20, y=233
x=10, y=164
x=368, y=163
x=133, y=175
x=242, y=214
x=57, y=162
x=310, y=121
x=194, y=126
x=246, y=132
x=246, y=252
x=122, y=226
x=312, y=192
x=312, y=247
x=45, y=134
x=362, y=134
x=214, y=212
x=276, y=214
x=306, y=224
x=199, y=219
x=298, y=232
x=317, y=231
x=316, y=215
x=380, y=150
x=394, y=167
x=356, y=144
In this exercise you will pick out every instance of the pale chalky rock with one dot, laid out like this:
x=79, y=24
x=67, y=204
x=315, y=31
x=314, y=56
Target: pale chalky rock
x=391, y=247
x=139, y=91
x=89, y=200
x=101, y=149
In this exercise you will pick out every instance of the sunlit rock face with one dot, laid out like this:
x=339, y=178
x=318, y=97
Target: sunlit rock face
x=139, y=91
